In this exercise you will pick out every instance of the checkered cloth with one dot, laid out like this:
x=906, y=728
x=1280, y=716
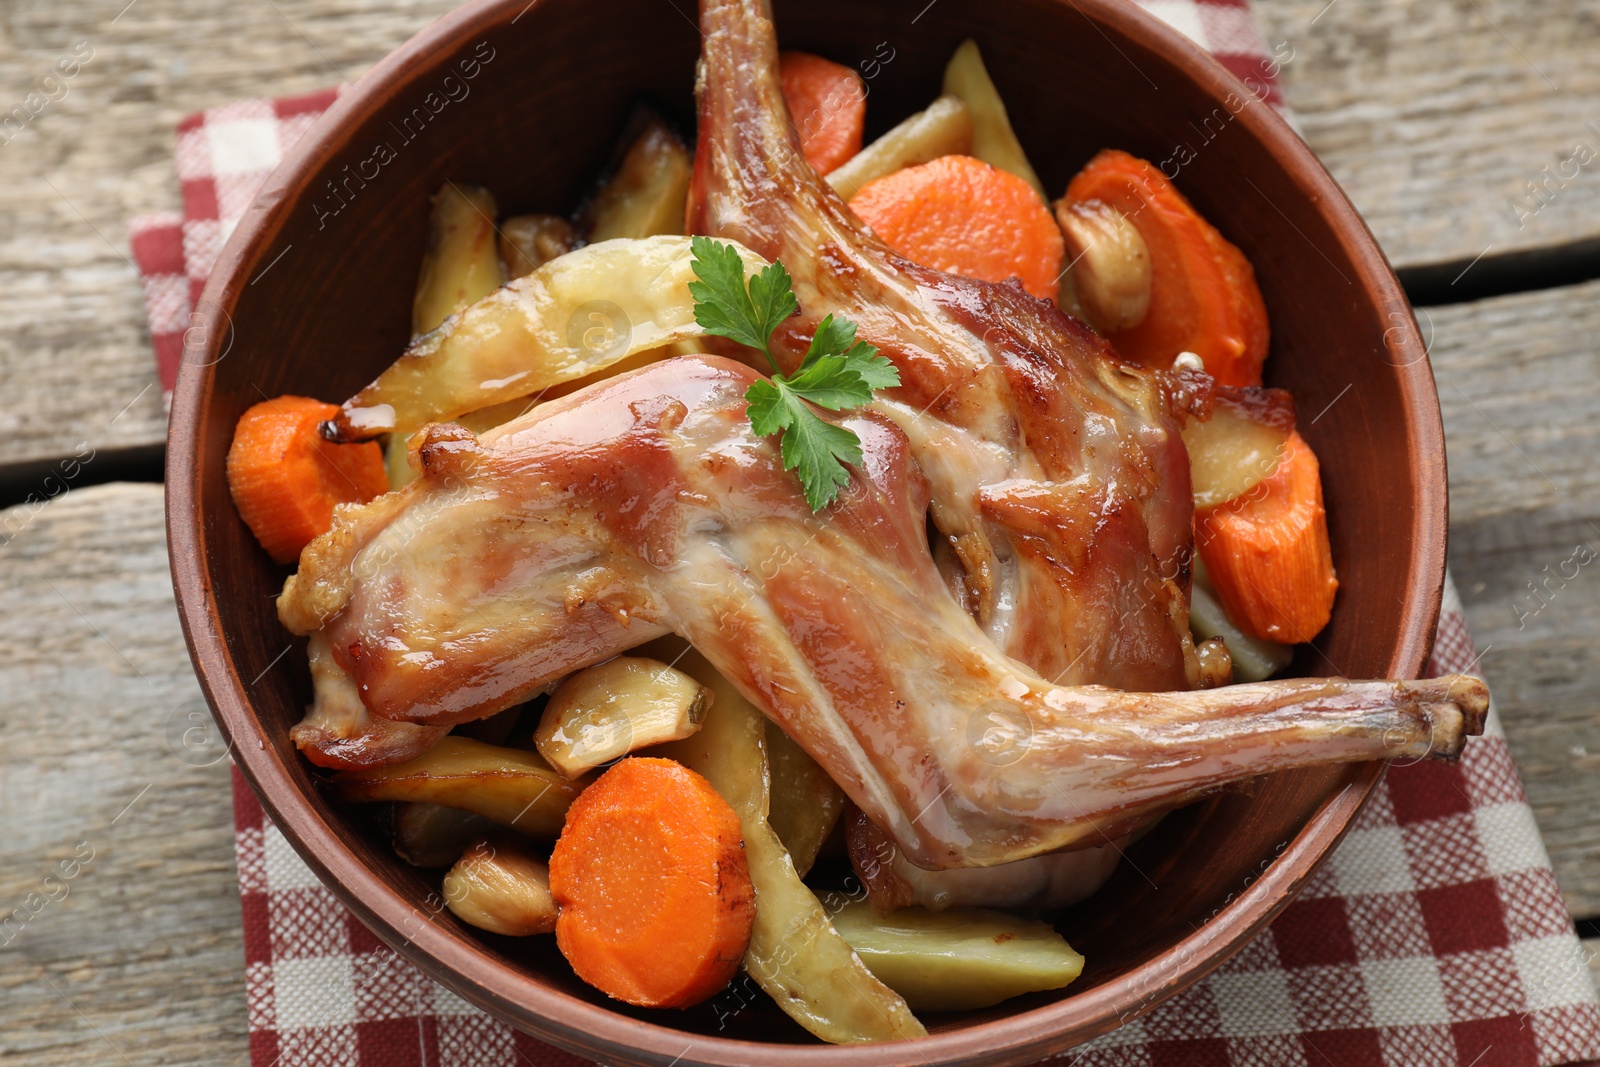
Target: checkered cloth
x=1434, y=935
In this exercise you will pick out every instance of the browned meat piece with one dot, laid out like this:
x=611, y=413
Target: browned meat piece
x=1058, y=477
x=646, y=503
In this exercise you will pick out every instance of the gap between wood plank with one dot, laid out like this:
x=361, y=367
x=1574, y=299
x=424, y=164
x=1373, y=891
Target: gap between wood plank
x=1490, y=275
x=1435, y=285
x=38, y=481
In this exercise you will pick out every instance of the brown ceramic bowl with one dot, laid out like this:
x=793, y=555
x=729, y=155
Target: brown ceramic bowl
x=312, y=296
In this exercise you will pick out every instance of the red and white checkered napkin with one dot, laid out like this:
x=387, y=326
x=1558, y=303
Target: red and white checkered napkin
x=1434, y=935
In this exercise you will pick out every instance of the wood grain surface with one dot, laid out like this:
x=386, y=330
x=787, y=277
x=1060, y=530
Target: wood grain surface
x=1434, y=116
x=1434, y=144
x=76, y=356
x=110, y=757
x=1519, y=381
x=1437, y=116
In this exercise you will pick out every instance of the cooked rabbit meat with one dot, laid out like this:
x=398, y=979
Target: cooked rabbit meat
x=1058, y=478
x=339, y=732
x=646, y=503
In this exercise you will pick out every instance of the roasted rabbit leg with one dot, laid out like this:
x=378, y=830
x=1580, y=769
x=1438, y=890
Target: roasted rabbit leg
x=646, y=503
x=1059, y=484
x=338, y=731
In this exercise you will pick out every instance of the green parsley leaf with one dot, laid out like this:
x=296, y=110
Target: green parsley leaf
x=722, y=304
x=838, y=372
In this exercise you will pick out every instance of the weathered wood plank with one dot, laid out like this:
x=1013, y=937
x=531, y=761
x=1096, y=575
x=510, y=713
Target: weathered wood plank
x=1519, y=380
x=76, y=357
x=1436, y=117
x=119, y=838
x=1433, y=143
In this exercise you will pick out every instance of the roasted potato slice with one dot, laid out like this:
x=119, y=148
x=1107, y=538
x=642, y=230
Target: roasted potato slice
x=499, y=885
x=992, y=138
x=806, y=804
x=460, y=268
x=528, y=242
x=646, y=195
x=794, y=953
x=1239, y=446
x=943, y=129
x=581, y=313
x=462, y=265
x=958, y=959
x=604, y=712
x=509, y=786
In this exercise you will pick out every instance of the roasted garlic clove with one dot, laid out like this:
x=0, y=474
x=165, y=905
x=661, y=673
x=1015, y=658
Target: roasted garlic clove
x=432, y=835
x=604, y=712
x=1108, y=263
x=500, y=886
x=528, y=242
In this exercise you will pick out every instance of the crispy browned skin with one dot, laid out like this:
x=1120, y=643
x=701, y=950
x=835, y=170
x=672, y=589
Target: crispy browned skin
x=1059, y=481
x=645, y=503
x=1054, y=473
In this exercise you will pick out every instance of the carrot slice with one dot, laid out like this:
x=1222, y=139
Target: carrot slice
x=285, y=477
x=652, y=885
x=828, y=105
x=1267, y=551
x=960, y=215
x=1203, y=293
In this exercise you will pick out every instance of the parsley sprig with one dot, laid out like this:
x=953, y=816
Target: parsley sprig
x=838, y=372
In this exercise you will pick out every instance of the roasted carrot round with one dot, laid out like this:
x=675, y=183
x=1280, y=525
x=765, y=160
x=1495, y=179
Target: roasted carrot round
x=960, y=215
x=1267, y=551
x=285, y=477
x=1203, y=293
x=653, y=889
x=827, y=104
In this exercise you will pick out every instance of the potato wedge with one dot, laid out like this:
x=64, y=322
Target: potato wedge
x=581, y=313
x=499, y=885
x=488, y=418
x=509, y=786
x=646, y=195
x=396, y=467
x=805, y=804
x=992, y=138
x=460, y=268
x=431, y=835
x=528, y=242
x=462, y=265
x=958, y=959
x=943, y=129
x=1239, y=446
x=604, y=712
x=794, y=954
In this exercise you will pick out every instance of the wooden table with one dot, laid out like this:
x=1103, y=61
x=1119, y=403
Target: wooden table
x=1455, y=126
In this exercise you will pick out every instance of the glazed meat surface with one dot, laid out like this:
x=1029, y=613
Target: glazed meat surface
x=646, y=503
x=1023, y=683
x=1060, y=486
